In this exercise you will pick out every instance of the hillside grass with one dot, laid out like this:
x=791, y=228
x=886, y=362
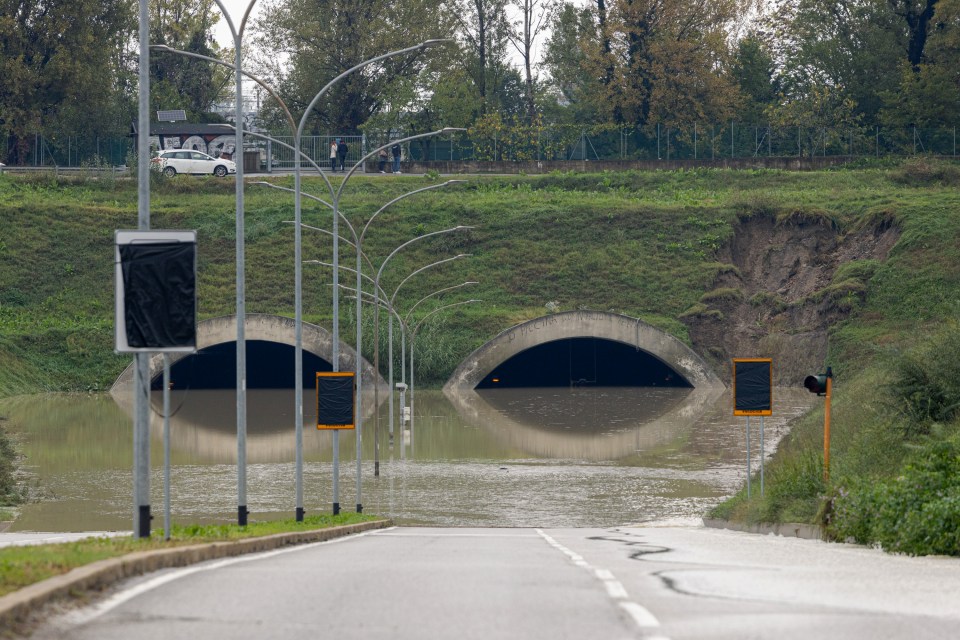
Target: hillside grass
x=642, y=244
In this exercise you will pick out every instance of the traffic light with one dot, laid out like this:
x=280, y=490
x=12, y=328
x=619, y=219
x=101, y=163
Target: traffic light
x=818, y=383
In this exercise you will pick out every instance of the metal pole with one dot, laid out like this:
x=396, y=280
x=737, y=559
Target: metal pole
x=359, y=418
x=763, y=454
x=242, y=511
x=748, y=457
x=390, y=371
x=141, y=386
x=826, y=428
x=166, y=447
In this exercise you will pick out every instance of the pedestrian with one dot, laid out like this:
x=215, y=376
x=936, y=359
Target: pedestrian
x=333, y=156
x=396, y=151
x=382, y=160
x=342, y=150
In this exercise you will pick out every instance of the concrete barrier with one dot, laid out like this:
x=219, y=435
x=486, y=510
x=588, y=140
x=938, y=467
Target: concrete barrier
x=787, y=529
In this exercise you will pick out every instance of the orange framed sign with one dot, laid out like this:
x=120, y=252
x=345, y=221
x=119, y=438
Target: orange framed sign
x=336, y=400
x=752, y=386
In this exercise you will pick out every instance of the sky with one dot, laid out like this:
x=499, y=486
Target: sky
x=235, y=8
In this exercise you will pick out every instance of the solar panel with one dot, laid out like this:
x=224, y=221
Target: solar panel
x=171, y=115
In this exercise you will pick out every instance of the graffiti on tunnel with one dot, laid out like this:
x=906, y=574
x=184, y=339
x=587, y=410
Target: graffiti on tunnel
x=270, y=365
x=583, y=362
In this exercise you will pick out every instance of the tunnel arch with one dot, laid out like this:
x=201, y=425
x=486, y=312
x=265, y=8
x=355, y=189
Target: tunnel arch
x=573, y=325
x=259, y=330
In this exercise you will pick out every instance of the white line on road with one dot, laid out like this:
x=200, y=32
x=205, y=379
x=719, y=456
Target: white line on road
x=638, y=613
x=114, y=601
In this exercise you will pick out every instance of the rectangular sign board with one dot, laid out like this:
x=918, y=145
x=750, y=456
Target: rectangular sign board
x=156, y=291
x=752, y=386
x=336, y=400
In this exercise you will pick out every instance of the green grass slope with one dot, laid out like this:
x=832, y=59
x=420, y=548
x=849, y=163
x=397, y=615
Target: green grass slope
x=643, y=244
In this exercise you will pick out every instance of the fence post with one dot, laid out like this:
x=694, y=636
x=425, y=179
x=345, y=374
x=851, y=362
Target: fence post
x=658, y=141
x=694, y=140
x=877, y=127
x=731, y=139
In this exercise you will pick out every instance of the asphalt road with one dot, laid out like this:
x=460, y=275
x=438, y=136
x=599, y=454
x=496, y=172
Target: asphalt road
x=425, y=584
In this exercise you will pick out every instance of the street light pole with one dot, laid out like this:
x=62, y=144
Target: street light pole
x=237, y=34
x=376, y=336
x=413, y=339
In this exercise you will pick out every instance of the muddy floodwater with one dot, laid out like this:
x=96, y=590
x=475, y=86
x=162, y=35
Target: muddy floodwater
x=501, y=457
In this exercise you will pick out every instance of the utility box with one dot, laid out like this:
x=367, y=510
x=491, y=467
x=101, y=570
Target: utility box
x=251, y=161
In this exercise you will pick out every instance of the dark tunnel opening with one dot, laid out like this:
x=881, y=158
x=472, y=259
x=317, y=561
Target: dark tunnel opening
x=270, y=365
x=575, y=362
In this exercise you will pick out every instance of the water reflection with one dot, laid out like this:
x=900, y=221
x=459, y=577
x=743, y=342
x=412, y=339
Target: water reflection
x=595, y=424
x=546, y=457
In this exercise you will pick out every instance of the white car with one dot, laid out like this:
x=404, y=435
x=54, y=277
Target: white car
x=177, y=161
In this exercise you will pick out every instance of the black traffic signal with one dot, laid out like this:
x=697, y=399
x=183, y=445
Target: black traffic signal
x=818, y=383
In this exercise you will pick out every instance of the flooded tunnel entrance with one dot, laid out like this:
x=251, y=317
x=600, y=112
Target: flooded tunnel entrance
x=582, y=348
x=582, y=362
x=270, y=365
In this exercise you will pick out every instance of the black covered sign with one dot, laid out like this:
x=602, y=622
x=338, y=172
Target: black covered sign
x=335, y=400
x=752, y=387
x=156, y=291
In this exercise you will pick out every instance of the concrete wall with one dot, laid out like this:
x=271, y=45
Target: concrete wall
x=582, y=324
x=269, y=328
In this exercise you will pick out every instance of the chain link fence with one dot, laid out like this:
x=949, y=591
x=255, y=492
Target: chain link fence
x=523, y=143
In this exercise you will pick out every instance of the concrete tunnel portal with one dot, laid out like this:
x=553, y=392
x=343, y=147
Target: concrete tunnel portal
x=582, y=348
x=270, y=344
x=582, y=362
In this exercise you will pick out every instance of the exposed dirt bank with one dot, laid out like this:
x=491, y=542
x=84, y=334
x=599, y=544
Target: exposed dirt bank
x=781, y=284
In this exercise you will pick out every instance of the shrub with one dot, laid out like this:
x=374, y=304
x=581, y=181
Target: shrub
x=926, y=171
x=925, y=388
x=917, y=513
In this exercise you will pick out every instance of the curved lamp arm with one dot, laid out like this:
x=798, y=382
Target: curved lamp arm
x=399, y=198
x=438, y=292
x=424, y=268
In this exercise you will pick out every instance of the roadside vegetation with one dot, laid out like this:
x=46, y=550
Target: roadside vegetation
x=642, y=244
x=26, y=565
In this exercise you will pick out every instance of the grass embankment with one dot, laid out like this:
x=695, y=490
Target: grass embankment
x=643, y=244
x=22, y=566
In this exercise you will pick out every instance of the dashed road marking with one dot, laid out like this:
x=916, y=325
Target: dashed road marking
x=640, y=615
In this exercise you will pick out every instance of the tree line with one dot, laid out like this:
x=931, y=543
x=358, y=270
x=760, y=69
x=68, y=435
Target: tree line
x=69, y=67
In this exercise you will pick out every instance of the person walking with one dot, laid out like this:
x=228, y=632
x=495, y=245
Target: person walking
x=342, y=150
x=333, y=156
x=382, y=160
x=396, y=151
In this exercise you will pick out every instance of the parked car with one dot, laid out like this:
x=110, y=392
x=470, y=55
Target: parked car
x=177, y=161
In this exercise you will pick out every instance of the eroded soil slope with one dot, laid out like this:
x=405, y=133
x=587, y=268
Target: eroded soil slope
x=782, y=284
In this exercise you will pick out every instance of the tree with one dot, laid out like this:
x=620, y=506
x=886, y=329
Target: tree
x=307, y=43
x=63, y=69
x=670, y=61
x=535, y=18
x=483, y=29
x=835, y=46
x=180, y=82
x=917, y=15
x=572, y=82
x=928, y=93
x=753, y=69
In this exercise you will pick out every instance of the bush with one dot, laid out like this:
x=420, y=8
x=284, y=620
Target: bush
x=917, y=513
x=923, y=171
x=926, y=383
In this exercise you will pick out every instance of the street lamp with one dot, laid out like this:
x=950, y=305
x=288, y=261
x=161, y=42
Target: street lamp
x=376, y=334
x=413, y=339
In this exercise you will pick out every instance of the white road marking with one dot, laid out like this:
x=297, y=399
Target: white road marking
x=615, y=589
x=91, y=613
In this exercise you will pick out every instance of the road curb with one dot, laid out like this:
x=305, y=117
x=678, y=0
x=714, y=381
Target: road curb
x=16, y=607
x=786, y=529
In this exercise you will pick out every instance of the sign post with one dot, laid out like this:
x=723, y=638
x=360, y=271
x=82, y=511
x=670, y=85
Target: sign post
x=753, y=396
x=336, y=409
x=155, y=312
